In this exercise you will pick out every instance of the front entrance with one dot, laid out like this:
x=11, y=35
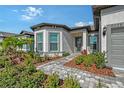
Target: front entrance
x=78, y=43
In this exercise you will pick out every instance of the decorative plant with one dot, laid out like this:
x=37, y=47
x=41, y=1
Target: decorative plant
x=52, y=81
x=65, y=54
x=79, y=60
x=22, y=75
x=100, y=60
x=70, y=82
x=89, y=60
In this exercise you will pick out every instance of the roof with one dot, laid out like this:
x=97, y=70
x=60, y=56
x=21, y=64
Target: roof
x=89, y=27
x=50, y=24
x=81, y=27
x=23, y=32
x=6, y=34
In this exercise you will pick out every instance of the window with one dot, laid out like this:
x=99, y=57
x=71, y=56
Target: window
x=24, y=47
x=93, y=43
x=39, y=41
x=54, y=41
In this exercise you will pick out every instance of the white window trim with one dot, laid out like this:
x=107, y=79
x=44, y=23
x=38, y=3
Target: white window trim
x=59, y=42
x=36, y=42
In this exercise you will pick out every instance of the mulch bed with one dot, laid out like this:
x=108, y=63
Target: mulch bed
x=107, y=71
x=47, y=61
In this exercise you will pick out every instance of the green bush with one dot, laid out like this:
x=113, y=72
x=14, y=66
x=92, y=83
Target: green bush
x=38, y=77
x=65, y=54
x=70, y=82
x=4, y=62
x=52, y=81
x=100, y=60
x=30, y=68
x=8, y=77
x=34, y=80
x=21, y=76
x=89, y=60
x=25, y=81
x=79, y=60
x=38, y=59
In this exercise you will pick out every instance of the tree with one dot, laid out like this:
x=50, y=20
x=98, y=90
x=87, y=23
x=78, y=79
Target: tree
x=9, y=42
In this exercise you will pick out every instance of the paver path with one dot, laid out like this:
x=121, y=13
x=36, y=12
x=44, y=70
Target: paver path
x=86, y=79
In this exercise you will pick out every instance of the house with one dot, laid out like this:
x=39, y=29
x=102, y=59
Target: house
x=26, y=34
x=109, y=21
x=52, y=38
x=5, y=34
x=106, y=35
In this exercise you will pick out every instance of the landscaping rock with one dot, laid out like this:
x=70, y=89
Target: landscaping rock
x=86, y=80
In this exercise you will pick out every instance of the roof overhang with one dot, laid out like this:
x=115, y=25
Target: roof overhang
x=98, y=8
x=49, y=24
x=23, y=32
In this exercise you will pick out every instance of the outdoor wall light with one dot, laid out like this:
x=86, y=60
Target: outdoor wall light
x=104, y=31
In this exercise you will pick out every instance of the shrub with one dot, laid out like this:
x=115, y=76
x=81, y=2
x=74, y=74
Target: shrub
x=65, y=54
x=30, y=68
x=38, y=78
x=4, y=61
x=79, y=60
x=8, y=78
x=32, y=54
x=1, y=51
x=23, y=75
x=38, y=58
x=25, y=81
x=89, y=60
x=52, y=81
x=100, y=60
x=34, y=80
x=46, y=57
x=70, y=82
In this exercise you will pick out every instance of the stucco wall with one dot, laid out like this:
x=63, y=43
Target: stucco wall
x=67, y=42
x=65, y=39
x=111, y=15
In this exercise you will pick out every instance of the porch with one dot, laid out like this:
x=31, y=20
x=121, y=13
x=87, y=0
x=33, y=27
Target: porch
x=83, y=40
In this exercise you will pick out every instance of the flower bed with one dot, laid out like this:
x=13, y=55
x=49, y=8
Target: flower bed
x=94, y=63
x=105, y=71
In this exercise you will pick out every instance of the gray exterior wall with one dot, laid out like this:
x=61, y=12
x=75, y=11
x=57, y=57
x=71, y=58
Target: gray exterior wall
x=111, y=15
x=67, y=42
x=65, y=39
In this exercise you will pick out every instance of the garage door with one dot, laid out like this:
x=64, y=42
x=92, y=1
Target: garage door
x=116, y=47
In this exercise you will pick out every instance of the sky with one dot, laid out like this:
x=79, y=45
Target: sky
x=15, y=18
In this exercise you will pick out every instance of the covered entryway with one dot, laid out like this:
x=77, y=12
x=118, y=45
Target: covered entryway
x=115, y=46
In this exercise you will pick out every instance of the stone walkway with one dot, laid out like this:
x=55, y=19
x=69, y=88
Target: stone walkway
x=86, y=79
